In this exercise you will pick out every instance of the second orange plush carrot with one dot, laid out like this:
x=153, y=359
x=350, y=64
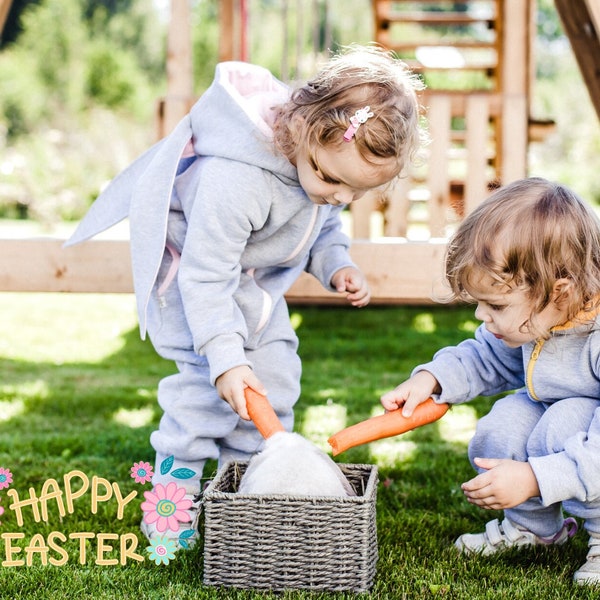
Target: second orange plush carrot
x=386, y=425
x=262, y=413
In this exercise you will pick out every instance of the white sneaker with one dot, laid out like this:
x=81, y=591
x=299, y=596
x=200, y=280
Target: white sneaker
x=589, y=573
x=186, y=536
x=501, y=536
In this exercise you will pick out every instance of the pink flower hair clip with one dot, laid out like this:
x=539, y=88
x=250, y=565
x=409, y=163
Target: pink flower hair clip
x=359, y=117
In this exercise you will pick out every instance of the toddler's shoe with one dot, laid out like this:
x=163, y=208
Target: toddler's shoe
x=186, y=536
x=501, y=536
x=589, y=573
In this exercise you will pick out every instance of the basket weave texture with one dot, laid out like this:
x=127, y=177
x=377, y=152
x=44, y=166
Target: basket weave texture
x=282, y=542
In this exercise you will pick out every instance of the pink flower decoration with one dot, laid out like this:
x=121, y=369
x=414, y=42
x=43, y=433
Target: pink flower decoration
x=141, y=472
x=5, y=478
x=1, y=511
x=166, y=507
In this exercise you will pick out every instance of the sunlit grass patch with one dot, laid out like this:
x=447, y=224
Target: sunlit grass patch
x=458, y=424
x=319, y=422
x=43, y=322
x=137, y=417
x=10, y=409
x=390, y=452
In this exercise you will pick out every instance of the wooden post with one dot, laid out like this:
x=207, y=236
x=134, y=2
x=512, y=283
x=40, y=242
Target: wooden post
x=180, y=87
x=4, y=10
x=515, y=90
x=477, y=123
x=439, y=115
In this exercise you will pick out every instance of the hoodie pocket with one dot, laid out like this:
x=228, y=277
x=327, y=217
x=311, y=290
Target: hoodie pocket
x=255, y=303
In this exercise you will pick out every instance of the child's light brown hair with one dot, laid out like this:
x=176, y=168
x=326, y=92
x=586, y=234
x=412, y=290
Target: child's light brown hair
x=318, y=113
x=529, y=234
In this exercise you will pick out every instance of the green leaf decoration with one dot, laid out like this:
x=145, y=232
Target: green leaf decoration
x=165, y=465
x=183, y=473
x=188, y=533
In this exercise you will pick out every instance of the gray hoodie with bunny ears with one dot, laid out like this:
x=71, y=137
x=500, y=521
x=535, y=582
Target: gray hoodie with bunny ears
x=218, y=218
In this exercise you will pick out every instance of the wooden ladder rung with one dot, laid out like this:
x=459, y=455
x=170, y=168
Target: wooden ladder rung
x=467, y=44
x=416, y=66
x=433, y=18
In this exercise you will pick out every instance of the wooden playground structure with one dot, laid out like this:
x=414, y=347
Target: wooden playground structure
x=480, y=133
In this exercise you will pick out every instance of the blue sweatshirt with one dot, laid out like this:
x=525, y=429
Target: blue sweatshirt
x=567, y=365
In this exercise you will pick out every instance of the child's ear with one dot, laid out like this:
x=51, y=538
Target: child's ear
x=562, y=290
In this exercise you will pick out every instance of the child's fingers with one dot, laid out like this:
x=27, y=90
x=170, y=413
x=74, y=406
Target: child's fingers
x=486, y=463
x=240, y=408
x=409, y=407
x=252, y=381
x=392, y=400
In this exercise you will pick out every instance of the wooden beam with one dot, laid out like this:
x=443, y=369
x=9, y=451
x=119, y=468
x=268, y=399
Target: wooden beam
x=514, y=122
x=43, y=265
x=477, y=122
x=399, y=272
x=581, y=22
x=227, y=31
x=4, y=10
x=439, y=115
x=180, y=85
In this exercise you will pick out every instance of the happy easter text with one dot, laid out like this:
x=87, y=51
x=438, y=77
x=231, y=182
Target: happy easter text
x=49, y=549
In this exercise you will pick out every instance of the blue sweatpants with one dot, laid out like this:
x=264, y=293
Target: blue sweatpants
x=518, y=428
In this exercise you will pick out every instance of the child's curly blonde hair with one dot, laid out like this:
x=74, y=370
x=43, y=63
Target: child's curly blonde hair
x=529, y=234
x=318, y=113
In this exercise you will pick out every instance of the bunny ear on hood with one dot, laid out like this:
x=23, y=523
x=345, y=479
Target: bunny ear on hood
x=229, y=120
x=292, y=465
x=141, y=192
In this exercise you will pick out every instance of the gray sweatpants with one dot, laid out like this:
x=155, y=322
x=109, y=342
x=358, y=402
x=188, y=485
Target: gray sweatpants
x=197, y=424
x=518, y=428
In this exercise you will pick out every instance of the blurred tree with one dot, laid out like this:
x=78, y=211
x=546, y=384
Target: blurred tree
x=205, y=40
x=14, y=27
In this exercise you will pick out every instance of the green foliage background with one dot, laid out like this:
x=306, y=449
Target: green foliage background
x=81, y=80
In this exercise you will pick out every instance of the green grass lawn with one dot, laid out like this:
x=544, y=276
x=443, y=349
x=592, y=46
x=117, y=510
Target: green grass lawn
x=78, y=394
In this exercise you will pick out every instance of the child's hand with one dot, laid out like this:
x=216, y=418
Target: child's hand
x=411, y=393
x=352, y=282
x=231, y=386
x=505, y=484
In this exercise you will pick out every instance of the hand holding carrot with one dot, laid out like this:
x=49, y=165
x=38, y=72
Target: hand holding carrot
x=387, y=425
x=231, y=386
x=412, y=392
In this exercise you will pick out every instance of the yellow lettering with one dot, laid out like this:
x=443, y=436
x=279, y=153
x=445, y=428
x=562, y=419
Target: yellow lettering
x=18, y=504
x=57, y=562
x=122, y=502
x=128, y=551
x=103, y=548
x=81, y=536
x=37, y=544
x=71, y=495
x=96, y=481
x=46, y=495
x=10, y=550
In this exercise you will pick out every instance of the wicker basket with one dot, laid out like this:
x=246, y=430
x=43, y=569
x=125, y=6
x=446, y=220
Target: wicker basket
x=280, y=542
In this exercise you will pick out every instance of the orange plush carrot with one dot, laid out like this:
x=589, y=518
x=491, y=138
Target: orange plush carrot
x=386, y=425
x=262, y=414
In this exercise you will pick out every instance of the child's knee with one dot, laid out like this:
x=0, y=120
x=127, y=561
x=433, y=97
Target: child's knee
x=504, y=432
x=560, y=421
